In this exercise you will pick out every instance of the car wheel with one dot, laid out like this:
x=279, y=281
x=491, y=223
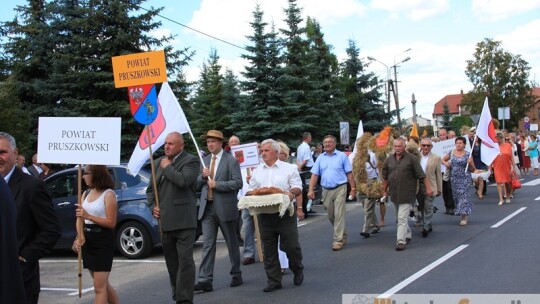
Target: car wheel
x=133, y=240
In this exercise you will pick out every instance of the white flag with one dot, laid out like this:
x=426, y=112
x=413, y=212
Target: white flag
x=170, y=118
x=486, y=132
x=358, y=134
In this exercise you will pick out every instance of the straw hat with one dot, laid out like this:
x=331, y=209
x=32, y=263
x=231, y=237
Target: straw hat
x=214, y=134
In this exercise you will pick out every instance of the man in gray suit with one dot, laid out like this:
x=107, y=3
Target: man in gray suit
x=219, y=183
x=176, y=175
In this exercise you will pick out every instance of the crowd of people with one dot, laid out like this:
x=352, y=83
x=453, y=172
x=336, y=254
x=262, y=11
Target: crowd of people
x=401, y=171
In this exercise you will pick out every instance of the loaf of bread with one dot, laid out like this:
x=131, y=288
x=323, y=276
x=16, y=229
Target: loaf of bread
x=266, y=191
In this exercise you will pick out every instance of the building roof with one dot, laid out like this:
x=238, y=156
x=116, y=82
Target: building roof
x=454, y=101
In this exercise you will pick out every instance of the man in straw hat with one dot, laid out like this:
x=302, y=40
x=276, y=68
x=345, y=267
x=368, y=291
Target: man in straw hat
x=219, y=184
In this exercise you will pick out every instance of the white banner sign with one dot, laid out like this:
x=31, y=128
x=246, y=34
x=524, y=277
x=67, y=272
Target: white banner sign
x=444, y=147
x=247, y=155
x=344, y=132
x=79, y=140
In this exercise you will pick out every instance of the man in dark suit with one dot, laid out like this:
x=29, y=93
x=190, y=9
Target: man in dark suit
x=35, y=168
x=38, y=228
x=12, y=287
x=176, y=174
x=219, y=183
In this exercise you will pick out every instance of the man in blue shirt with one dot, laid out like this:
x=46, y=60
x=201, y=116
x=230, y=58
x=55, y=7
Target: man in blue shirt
x=335, y=171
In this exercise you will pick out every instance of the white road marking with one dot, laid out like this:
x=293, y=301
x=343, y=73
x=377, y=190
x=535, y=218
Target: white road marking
x=59, y=289
x=537, y=199
x=422, y=272
x=534, y=182
x=114, y=261
x=508, y=217
x=76, y=293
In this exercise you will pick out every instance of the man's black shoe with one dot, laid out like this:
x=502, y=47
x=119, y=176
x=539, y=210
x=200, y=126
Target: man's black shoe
x=298, y=278
x=425, y=233
x=203, y=286
x=365, y=234
x=236, y=281
x=248, y=261
x=375, y=229
x=271, y=288
x=408, y=240
x=311, y=211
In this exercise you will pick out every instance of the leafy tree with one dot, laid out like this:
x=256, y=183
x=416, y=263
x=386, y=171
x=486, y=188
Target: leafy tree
x=501, y=76
x=460, y=121
x=61, y=58
x=361, y=99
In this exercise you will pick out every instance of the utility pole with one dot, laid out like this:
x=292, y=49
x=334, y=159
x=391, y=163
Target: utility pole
x=413, y=101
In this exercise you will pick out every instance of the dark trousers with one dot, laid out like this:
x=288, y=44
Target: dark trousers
x=178, y=252
x=273, y=228
x=448, y=198
x=305, y=176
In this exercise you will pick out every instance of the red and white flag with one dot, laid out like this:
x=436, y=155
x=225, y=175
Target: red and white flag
x=486, y=132
x=170, y=118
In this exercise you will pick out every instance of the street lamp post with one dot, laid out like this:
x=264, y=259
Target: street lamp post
x=392, y=84
x=396, y=95
x=387, y=82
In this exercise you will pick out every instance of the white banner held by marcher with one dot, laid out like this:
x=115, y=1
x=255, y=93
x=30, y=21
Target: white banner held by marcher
x=444, y=147
x=79, y=140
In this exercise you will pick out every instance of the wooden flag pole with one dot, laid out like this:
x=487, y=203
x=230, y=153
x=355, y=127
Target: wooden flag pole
x=156, y=196
x=79, y=223
x=257, y=232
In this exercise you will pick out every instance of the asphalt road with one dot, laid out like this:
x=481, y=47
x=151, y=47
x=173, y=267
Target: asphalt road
x=497, y=253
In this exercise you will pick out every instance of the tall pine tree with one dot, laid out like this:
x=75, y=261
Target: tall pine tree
x=70, y=44
x=360, y=95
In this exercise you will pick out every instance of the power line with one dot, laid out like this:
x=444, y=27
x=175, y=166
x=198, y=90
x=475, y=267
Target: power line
x=195, y=30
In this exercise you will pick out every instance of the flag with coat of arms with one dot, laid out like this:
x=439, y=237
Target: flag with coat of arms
x=170, y=118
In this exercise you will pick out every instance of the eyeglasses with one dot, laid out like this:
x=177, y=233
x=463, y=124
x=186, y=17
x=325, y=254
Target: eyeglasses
x=426, y=145
x=86, y=173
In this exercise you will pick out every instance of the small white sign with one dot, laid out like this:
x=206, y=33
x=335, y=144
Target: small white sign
x=534, y=127
x=79, y=140
x=444, y=147
x=247, y=155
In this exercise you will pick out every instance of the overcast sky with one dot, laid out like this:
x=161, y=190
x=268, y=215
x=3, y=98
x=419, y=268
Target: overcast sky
x=441, y=34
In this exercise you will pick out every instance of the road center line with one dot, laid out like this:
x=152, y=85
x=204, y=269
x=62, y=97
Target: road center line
x=420, y=273
x=508, y=217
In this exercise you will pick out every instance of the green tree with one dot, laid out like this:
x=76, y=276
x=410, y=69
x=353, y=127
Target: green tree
x=446, y=118
x=61, y=58
x=293, y=82
x=500, y=75
x=13, y=118
x=322, y=70
x=231, y=96
x=361, y=99
x=208, y=103
x=460, y=121
x=262, y=112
